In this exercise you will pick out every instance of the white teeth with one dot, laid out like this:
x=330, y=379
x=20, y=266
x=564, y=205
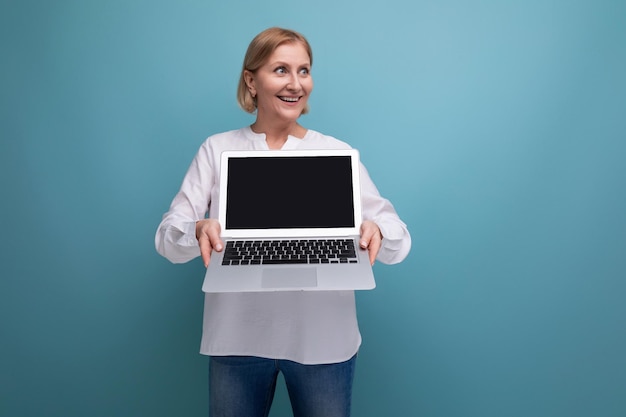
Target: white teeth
x=290, y=99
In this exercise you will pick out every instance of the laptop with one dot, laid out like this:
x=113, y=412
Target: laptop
x=290, y=222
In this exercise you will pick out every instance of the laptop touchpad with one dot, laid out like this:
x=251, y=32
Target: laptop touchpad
x=289, y=278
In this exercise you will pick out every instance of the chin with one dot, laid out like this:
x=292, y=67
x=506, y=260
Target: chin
x=292, y=115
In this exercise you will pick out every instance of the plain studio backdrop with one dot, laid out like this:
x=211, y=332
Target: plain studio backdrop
x=497, y=129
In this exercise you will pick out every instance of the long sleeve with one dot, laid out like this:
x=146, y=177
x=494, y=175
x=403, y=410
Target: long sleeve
x=176, y=235
x=396, y=242
x=262, y=324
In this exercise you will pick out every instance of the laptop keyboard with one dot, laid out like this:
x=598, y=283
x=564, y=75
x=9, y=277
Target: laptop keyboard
x=297, y=251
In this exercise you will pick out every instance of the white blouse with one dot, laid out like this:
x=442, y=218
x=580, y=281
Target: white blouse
x=309, y=327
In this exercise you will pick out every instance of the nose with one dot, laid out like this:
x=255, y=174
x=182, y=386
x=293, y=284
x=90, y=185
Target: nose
x=294, y=82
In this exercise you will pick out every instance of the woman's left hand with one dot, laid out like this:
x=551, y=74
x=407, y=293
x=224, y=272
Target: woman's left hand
x=371, y=239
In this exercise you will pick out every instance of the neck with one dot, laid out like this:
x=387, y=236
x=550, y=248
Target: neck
x=276, y=134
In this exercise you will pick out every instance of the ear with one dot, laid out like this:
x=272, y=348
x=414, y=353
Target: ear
x=248, y=77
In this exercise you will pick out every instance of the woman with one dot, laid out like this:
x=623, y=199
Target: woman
x=311, y=337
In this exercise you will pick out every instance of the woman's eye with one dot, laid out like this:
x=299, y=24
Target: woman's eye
x=304, y=71
x=281, y=70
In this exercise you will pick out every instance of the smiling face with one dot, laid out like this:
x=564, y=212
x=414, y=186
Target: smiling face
x=282, y=85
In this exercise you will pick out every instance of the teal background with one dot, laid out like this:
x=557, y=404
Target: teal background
x=496, y=128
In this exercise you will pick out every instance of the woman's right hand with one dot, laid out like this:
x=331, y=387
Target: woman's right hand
x=208, y=233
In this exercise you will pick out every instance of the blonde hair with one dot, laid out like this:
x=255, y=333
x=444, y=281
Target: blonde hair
x=260, y=49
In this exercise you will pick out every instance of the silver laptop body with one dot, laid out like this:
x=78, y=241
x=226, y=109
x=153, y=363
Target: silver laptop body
x=290, y=222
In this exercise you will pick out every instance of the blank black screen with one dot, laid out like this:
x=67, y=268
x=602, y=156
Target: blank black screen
x=289, y=192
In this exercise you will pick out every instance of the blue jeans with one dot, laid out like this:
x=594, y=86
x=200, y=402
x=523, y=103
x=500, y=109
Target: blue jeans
x=243, y=386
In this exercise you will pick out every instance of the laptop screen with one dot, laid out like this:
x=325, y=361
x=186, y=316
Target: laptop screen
x=298, y=192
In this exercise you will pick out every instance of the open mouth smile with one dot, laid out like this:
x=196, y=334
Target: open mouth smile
x=289, y=99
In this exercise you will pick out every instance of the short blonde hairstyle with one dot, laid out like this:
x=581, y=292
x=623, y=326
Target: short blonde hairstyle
x=259, y=51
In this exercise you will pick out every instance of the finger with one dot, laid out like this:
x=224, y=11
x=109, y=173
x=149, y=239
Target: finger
x=367, y=232
x=366, y=238
x=374, y=247
x=215, y=239
x=371, y=239
x=205, y=249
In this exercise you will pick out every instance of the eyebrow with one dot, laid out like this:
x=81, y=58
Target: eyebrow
x=283, y=63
